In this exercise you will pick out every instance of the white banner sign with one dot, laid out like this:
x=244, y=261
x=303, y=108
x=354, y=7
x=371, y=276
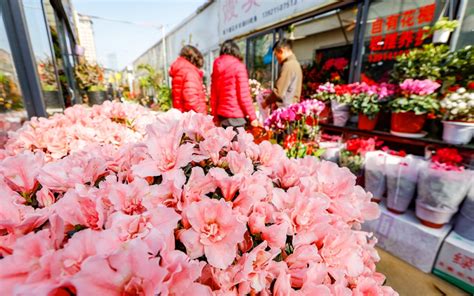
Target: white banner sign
x=237, y=17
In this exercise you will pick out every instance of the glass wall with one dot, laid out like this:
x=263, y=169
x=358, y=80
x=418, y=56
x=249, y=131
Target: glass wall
x=43, y=54
x=260, y=58
x=12, y=112
x=323, y=45
x=466, y=32
x=393, y=28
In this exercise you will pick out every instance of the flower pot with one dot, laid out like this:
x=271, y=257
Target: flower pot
x=340, y=113
x=441, y=36
x=326, y=113
x=375, y=174
x=366, y=123
x=442, y=191
x=407, y=122
x=431, y=216
x=96, y=97
x=53, y=99
x=456, y=132
x=402, y=177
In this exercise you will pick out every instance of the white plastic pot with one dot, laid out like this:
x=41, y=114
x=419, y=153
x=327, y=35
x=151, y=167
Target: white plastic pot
x=455, y=132
x=340, y=113
x=441, y=36
x=435, y=216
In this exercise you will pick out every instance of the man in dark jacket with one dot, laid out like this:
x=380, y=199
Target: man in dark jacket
x=288, y=86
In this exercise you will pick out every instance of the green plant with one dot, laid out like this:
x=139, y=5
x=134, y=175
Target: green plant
x=164, y=98
x=150, y=78
x=369, y=105
x=10, y=98
x=459, y=67
x=427, y=62
x=416, y=103
x=47, y=74
x=445, y=24
x=89, y=77
x=353, y=162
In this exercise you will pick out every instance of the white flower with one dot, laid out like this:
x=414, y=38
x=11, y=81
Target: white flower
x=462, y=105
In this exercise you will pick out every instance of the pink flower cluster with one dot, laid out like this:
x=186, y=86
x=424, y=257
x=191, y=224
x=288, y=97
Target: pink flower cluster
x=382, y=90
x=79, y=126
x=281, y=117
x=419, y=87
x=192, y=209
x=331, y=91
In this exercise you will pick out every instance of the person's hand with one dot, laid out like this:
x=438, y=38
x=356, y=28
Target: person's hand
x=255, y=123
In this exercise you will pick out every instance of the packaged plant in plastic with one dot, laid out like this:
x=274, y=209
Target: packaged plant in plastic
x=402, y=177
x=440, y=192
x=465, y=220
x=340, y=113
x=375, y=174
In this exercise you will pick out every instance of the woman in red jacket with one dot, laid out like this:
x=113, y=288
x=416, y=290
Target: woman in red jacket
x=187, y=89
x=231, y=102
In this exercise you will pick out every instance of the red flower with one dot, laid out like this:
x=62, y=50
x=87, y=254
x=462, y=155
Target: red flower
x=289, y=141
x=449, y=156
x=470, y=85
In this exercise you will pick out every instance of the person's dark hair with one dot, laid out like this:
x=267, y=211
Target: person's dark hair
x=193, y=55
x=231, y=48
x=283, y=43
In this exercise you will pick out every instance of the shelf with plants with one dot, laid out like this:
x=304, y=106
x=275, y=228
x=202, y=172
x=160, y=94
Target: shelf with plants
x=90, y=79
x=429, y=101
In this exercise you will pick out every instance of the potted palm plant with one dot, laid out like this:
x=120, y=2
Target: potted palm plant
x=416, y=99
x=458, y=114
x=442, y=29
x=90, y=79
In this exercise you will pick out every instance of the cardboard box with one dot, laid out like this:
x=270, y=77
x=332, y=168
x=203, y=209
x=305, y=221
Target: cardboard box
x=405, y=237
x=455, y=262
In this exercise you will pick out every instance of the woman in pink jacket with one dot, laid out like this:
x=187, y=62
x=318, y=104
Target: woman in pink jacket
x=187, y=89
x=231, y=102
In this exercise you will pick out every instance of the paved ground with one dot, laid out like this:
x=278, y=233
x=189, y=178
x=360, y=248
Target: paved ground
x=409, y=281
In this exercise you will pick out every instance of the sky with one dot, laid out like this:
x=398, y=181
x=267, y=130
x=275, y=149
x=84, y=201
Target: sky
x=128, y=41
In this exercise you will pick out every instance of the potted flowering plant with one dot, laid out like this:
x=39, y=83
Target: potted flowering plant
x=353, y=154
x=402, y=173
x=367, y=101
x=442, y=187
x=442, y=29
x=295, y=127
x=90, y=78
x=324, y=93
x=409, y=109
x=458, y=114
x=340, y=104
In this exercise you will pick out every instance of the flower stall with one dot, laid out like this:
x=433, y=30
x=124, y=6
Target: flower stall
x=109, y=207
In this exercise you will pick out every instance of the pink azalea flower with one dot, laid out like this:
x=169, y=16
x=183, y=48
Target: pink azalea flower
x=80, y=207
x=215, y=232
x=228, y=184
x=128, y=272
x=21, y=171
x=182, y=275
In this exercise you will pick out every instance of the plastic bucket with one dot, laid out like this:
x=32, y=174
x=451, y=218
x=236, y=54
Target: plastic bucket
x=431, y=216
x=457, y=132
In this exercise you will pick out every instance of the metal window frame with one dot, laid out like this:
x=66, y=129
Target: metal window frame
x=23, y=58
